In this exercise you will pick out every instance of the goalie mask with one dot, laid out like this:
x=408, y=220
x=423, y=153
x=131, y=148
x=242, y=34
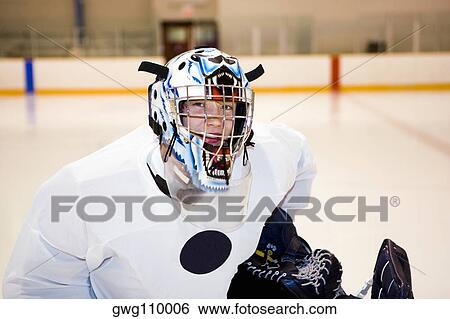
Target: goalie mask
x=201, y=107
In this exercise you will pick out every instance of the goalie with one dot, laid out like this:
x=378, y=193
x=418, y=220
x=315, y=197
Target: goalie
x=200, y=146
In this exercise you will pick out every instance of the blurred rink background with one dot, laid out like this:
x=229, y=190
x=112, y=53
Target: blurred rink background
x=382, y=130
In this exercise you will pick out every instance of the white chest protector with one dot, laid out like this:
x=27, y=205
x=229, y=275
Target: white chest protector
x=130, y=256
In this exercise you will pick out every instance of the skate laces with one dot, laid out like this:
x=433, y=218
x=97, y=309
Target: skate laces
x=312, y=269
x=266, y=271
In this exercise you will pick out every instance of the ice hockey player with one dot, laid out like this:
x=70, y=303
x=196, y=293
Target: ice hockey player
x=171, y=209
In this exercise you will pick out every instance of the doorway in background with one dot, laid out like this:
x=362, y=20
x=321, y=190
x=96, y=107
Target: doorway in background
x=180, y=36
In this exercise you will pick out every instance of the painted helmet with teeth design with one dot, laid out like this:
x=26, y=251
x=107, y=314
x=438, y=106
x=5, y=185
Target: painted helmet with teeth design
x=201, y=77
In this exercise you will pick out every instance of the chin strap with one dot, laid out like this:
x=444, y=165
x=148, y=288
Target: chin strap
x=248, y=142
x=224, y=161
x=172, y=142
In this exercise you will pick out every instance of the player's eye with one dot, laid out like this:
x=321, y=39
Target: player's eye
x=228, y=107
x=196, y=106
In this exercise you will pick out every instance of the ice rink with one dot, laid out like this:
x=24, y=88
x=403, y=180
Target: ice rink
x=365, y=144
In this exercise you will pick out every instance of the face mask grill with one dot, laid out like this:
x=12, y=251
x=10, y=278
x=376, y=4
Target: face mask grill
x=217, y=119
x=214, y=117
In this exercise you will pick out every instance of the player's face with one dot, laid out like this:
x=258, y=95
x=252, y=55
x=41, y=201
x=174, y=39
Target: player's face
x=214, y=117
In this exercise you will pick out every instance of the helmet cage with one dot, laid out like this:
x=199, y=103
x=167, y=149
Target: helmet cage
x=242, y=101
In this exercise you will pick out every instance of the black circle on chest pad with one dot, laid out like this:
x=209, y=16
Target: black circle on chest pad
x=205, y=252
